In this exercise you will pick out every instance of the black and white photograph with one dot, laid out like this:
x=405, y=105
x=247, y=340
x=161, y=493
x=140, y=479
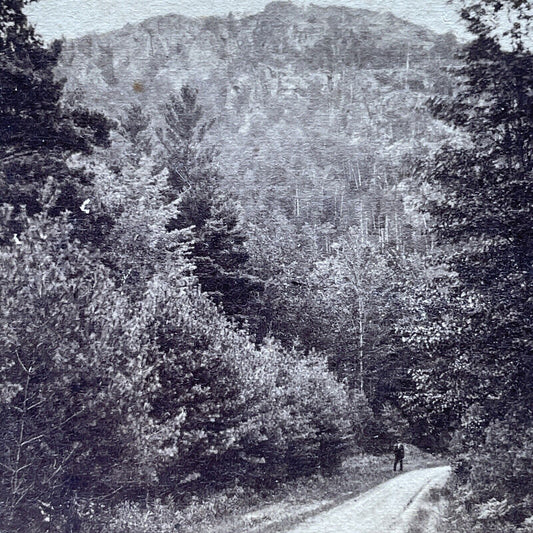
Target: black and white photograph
x=266, y=266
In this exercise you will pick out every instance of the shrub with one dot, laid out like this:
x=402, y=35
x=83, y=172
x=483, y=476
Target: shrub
x=494, y=487
x=70, y=353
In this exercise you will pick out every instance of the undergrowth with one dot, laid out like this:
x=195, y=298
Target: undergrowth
x=241, y=509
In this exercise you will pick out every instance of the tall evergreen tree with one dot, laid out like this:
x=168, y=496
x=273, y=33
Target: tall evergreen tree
x=474, y=325
x=476, y=329
x=39, y=132
x=484, y=210
x=136, y=130
x=218, y=247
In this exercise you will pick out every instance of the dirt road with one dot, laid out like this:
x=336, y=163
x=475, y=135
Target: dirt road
x=388, y=508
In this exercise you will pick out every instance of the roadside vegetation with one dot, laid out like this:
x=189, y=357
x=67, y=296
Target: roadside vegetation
x=265, y=510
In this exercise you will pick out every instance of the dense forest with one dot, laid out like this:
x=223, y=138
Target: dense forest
x=235, y=251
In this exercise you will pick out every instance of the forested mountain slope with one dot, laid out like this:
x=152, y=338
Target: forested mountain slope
x=315, y=108
x=318, y=115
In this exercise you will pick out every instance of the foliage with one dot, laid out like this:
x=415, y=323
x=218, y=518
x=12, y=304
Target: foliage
x=106, y=394
x=181, y=137
x=318, y=126
x=217, y=246
x=483, y=209
x=369, y=278
x=156, y=519
x=238, y=408
x=239, y=507
x=477, y=332
x=134, y=196
x=508, y=21
x=38, y=131
x=349, y=303
x=70, y=353
x=31, y=114
x=493, y=483
x=135, y=127
x=123, y=374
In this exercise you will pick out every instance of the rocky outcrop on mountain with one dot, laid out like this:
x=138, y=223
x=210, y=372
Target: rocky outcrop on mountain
x=312, y=105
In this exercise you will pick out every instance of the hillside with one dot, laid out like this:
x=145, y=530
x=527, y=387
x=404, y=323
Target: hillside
x=315, y=107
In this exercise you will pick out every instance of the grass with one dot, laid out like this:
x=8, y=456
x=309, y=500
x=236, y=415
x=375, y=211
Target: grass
x=243, y=510
x=419, y=523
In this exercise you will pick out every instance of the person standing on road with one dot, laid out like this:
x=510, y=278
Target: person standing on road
x=399, y=453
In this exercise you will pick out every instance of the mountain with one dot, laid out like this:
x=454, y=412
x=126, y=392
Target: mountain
x=315, y=108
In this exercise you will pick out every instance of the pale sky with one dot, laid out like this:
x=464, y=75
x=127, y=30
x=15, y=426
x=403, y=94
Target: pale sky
x=72, y=18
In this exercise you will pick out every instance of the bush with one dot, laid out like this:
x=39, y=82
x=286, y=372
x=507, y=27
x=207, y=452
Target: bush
x=228, y=410
x=70, y=351
x=494, y=481
x=160, y=394
x=130, y=517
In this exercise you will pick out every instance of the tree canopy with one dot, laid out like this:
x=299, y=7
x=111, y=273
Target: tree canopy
x=476, y=378
x=39, y=132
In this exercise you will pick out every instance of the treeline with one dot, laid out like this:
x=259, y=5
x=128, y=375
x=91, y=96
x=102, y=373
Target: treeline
x=315, y=108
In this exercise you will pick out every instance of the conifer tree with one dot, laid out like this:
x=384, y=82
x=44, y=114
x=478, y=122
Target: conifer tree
x=136, y=130
x=39, y=132
x=218, y=249
x=480, y=338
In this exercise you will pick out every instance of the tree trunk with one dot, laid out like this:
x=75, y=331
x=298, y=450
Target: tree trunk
x=361, y=344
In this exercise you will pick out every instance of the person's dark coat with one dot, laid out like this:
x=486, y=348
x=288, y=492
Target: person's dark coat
x=399, y=453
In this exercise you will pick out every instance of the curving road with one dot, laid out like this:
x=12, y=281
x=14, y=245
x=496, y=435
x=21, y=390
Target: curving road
x=387, y=508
